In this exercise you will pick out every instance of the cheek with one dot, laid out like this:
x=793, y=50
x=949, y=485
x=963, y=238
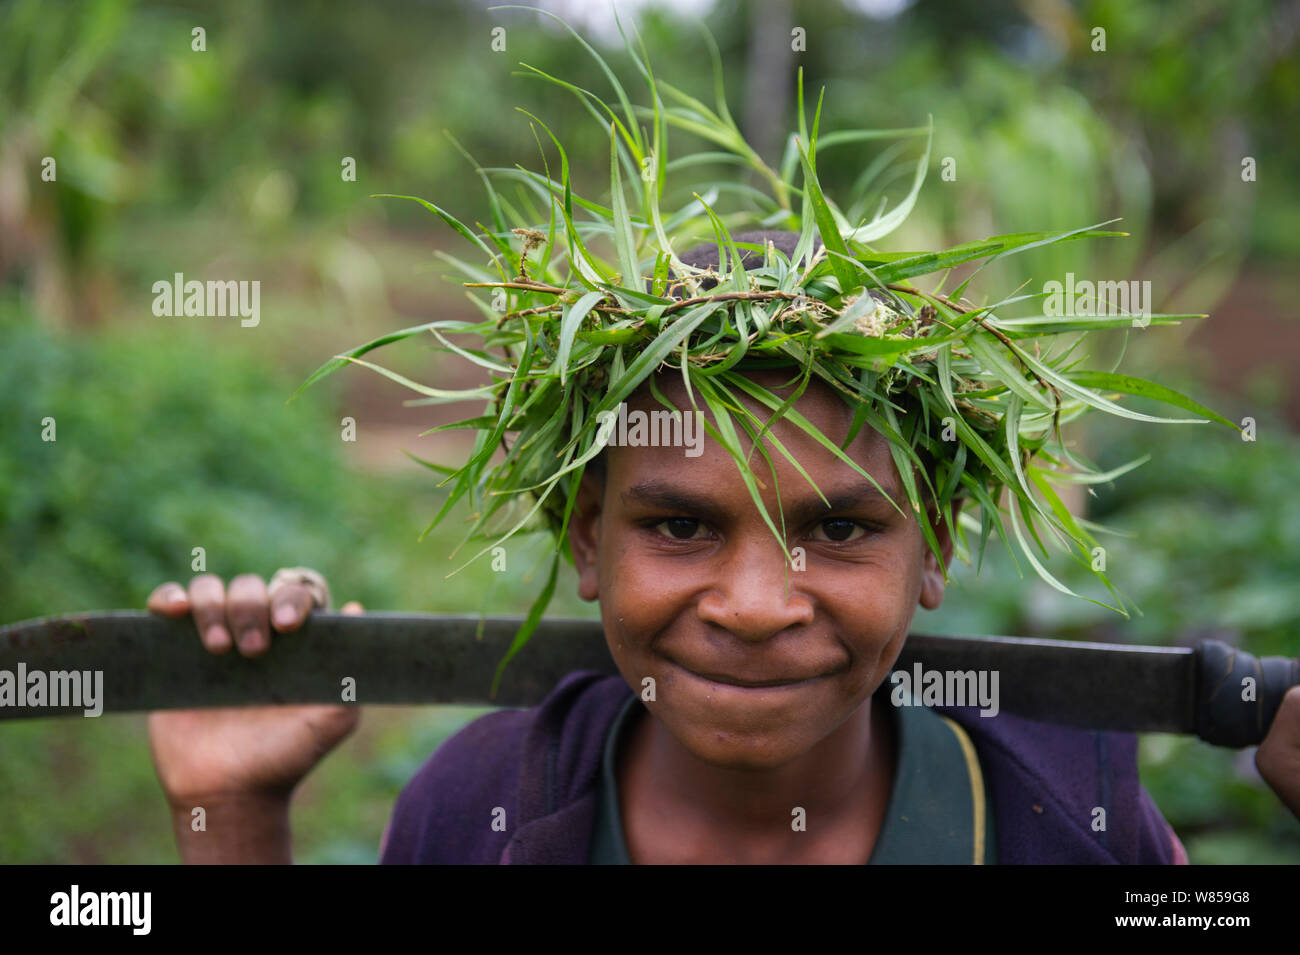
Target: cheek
x=639, y=595
x=881, y=589
x=872, y=605
x=633, y=571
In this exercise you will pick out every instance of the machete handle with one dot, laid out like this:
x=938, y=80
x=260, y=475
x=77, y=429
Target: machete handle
x=1238, y=694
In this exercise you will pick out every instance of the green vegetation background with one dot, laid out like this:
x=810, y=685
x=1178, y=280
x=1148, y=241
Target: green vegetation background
x=175, y=433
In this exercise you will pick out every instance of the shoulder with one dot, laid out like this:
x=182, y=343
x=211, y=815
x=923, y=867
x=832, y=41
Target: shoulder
x=466, y=779
x=1065, y=795
x=501, y=771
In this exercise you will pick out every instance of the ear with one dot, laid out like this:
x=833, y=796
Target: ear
x=932, y=573
x=584, y=533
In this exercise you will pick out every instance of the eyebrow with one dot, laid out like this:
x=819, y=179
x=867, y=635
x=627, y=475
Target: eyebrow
x=673, y=497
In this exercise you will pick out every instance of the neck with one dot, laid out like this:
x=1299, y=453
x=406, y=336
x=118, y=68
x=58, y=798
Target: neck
x=842, y=784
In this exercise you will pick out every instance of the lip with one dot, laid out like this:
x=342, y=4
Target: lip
x=721, y=679
x=748, y=685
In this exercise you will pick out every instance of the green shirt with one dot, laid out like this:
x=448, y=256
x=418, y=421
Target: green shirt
x=938, y=811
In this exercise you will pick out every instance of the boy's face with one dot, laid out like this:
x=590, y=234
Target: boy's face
x=693, y=585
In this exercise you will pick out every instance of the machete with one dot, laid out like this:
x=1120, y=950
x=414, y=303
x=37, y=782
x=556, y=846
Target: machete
x=1221, y=694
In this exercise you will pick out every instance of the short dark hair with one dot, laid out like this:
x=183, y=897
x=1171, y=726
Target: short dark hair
x=706, y=256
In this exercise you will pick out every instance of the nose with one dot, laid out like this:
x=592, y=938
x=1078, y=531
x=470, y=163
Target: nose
x=749, y=593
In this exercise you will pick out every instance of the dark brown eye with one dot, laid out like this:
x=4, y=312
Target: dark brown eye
x=681, y=528
x=839, y=530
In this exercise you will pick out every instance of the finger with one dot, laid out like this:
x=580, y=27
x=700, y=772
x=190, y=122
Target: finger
x=207, y=596
x=1278, y=757
x=248, y=613
x=168, y=599
x=352, y=608
x=291, y=606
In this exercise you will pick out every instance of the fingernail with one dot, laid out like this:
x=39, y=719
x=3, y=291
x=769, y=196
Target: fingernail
x=284, y=615
x=250, y=640
x=216, y=636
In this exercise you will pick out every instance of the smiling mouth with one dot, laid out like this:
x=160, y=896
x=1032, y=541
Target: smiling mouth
x=747, y=684
x=754, y=684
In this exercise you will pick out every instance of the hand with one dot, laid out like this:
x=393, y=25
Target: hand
x=240, y=757
x=1278, y=757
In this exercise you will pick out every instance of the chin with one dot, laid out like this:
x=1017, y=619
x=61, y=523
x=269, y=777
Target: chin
x=748, y=750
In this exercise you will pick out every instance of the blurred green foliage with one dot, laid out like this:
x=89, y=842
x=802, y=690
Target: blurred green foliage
x=157, y=450
x=160, y=446
x=174, y=437
x=1192, y=544
x=1204, y=558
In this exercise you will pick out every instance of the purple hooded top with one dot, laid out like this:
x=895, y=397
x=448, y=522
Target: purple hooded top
x=520, y=787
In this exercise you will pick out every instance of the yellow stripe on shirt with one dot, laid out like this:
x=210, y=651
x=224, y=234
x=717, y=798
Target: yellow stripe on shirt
x=976, y=786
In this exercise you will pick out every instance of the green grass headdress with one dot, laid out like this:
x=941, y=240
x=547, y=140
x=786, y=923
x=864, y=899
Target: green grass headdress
x=583, y=301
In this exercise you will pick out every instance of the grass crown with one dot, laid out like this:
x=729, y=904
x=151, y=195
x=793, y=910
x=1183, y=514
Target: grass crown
x=583, y=302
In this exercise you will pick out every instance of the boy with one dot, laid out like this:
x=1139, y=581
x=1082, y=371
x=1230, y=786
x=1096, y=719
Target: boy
x=761, y=728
